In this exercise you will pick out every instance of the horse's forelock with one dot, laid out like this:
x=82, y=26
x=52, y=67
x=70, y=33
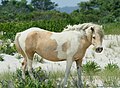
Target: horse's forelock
x=98, y=29
x=101, y=33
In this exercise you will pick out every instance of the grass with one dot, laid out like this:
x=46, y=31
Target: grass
x=15, y=80
x=5, y=79
x=110, y=77
x=112, y=28
x=58, y=76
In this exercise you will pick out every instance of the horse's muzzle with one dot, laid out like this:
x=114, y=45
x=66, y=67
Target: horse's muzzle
x=99, y=49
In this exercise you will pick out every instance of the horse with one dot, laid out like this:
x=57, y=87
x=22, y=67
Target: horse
x=69, y=45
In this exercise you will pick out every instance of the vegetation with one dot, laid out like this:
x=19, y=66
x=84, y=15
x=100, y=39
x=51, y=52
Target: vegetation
x=53, y=79
x=98, y=11
x=20, y=8
x=112, y=28
x=7, y=47
x=111, y=75
x=14, y=80
x=91, y=69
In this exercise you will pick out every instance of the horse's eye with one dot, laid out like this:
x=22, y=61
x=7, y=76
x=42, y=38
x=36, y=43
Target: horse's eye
x=93, y=37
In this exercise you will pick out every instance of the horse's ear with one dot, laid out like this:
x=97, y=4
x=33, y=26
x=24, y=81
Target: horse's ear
x=92, y=29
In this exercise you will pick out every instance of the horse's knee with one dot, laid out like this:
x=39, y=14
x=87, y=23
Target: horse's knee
x=24, y=64
x=23, y=69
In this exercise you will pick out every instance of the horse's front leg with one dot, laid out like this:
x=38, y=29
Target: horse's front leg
x=67, y=71
x=78, y=64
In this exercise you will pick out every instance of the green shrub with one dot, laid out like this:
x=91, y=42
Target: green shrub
x=91, y=68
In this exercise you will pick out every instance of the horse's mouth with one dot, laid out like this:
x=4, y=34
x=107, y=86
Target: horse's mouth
x=99, y=49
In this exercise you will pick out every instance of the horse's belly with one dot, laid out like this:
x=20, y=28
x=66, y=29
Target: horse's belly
x=53, y=55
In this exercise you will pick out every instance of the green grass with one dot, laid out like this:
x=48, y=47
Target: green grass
x=110, y=78
x=112, y=28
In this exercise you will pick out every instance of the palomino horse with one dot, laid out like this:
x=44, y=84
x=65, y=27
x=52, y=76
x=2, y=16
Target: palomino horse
x=69, y=45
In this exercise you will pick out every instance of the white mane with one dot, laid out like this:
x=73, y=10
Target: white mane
x=84, y=26
x=78, y=27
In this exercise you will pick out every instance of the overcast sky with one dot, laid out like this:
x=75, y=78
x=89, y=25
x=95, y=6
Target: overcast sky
x=63, y=3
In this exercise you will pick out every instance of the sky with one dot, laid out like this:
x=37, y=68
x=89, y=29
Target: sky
x=64, y=3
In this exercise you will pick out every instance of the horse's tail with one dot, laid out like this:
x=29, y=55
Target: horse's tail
x=18, y=47
x=17, y=44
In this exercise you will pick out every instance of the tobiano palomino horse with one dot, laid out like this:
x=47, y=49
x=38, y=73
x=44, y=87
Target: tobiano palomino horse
x=69, y=45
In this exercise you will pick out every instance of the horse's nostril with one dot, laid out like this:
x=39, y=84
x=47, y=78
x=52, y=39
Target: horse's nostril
x=99, y=49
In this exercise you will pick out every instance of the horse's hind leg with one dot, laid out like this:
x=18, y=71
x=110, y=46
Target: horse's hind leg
x=29, y=67
x=24, y=64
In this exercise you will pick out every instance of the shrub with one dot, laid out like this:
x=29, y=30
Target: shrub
x=91, y=68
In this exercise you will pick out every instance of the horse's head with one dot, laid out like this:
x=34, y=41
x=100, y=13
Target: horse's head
x=93, y=32
x=95, y=37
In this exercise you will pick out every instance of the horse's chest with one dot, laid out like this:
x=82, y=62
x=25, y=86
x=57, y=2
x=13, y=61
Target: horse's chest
x=80, y=51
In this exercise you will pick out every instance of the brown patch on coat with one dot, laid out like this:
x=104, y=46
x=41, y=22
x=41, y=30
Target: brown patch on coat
x=40, y=42
x=65, y=46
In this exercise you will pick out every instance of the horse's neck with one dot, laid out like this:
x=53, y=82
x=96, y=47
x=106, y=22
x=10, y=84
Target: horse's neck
x=86, y=41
